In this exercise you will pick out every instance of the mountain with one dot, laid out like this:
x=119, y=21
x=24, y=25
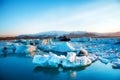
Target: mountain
x=53, y=34
x=73, y=34
x=112, y=34
x=56, y=34
x=45, y=34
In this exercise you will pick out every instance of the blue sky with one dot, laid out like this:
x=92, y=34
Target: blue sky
x=33, y=16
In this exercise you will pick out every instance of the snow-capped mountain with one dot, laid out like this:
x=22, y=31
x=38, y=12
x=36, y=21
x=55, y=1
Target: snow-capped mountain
x=73, y=34
x=57, y=33
x=61, y=33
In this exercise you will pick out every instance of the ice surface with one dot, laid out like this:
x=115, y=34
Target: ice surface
x=116, y=64
x=63, y=47
x=103, y=60
x=92, y=57
x=41, y=60
x=82, y=52
x=53, y=60
x=71, y=56
x=47, y=60
x=59, y=47
x=24, y=49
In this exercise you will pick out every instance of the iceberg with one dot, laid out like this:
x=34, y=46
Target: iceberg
x=92, y=57
x=103, y=60
x=46, y=47
x=110, y=56
x=41, y=60
x=53, y=60
x=116, y=64
x=48, y=60
x=7, y=49
x=63, y=47
x=118, y=55
x=71, y=56
x=82, y=52
x=79, y=61
x=24, y=49
x=58, y=47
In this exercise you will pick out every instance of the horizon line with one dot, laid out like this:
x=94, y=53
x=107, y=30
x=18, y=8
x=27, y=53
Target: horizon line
x=14, y=35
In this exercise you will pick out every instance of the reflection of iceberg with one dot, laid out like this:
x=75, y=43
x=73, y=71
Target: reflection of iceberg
x=46, y=71
x=71, y=74
x=53, y=60
x=52, y=71
x=59, y=47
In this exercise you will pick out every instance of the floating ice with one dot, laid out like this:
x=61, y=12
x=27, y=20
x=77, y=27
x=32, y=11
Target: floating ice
x=79, y=61
x=48, y=60
x=116, y=64
x=53, y=60
x=83, y=52
x=59, y=47
x=71, y=56
x=63, y=47
x=92, y=57
x=41, y=60
x=7, y=49
x=110, y=56
x=24, y=49
x=103, y=60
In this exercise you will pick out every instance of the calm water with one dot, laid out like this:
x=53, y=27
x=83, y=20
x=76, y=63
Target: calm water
x=22, y=68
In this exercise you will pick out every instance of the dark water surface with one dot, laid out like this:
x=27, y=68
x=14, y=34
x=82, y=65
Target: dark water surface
x=22, y=68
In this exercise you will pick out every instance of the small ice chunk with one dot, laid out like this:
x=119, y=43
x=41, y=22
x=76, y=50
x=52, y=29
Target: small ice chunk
x=83, y=52
x=116, y=64
x=103, y=60
x=110, y=56
x=92, y=57
x=24, y=49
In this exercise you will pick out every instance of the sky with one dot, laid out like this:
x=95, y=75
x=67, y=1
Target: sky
x=34, y=16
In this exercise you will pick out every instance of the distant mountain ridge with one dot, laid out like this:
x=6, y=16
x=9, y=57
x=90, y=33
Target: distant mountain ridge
x=73, y=34
x=57, y=34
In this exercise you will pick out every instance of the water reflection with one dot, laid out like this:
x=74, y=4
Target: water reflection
x=3, y=55
x=46, y=70
x=70, y=72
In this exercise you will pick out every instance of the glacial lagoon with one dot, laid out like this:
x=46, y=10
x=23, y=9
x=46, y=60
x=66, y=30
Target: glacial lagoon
x=22, y=68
